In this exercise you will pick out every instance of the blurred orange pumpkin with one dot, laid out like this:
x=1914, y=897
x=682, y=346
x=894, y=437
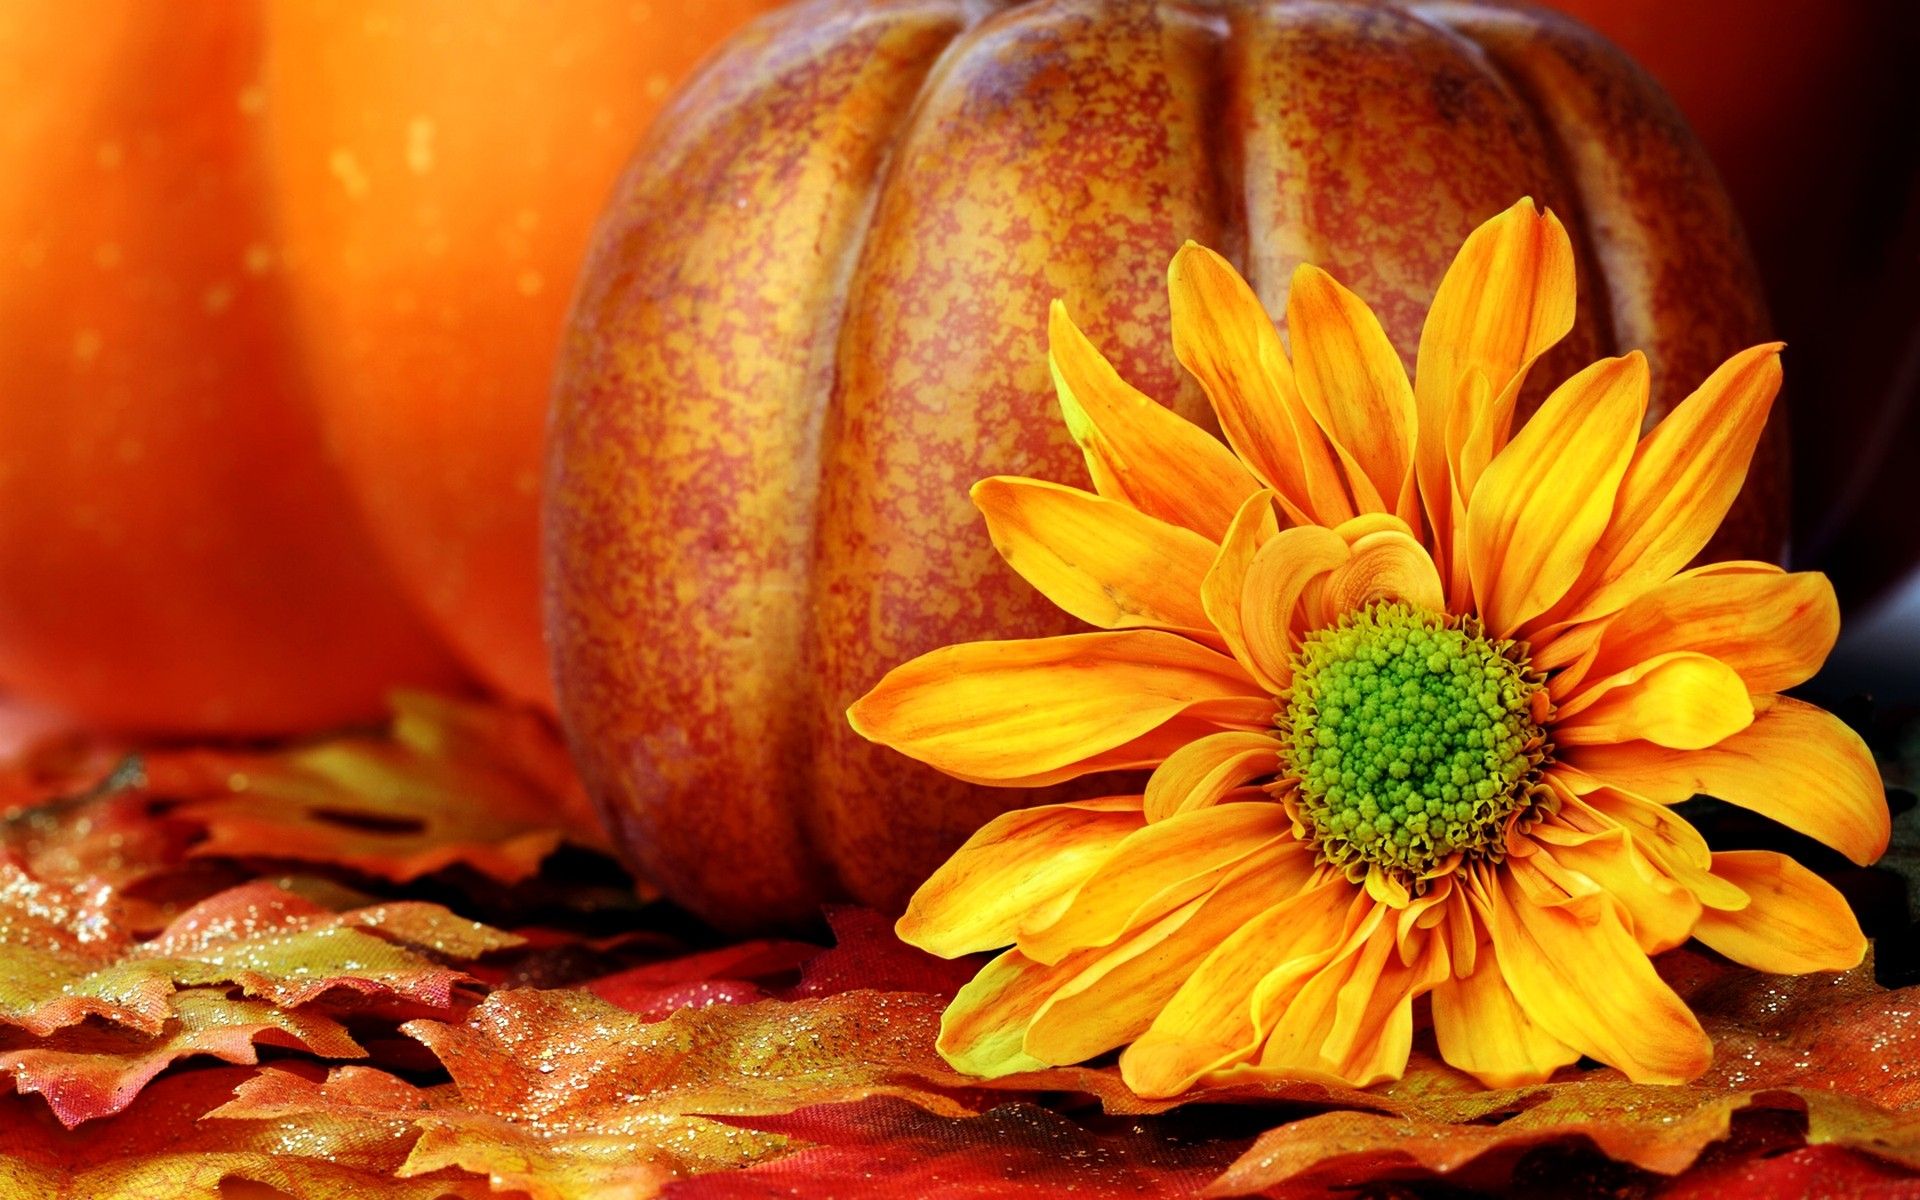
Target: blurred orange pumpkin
x=815, y=314
x=244, y=246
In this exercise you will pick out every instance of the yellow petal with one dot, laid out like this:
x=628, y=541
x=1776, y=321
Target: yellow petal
x=1660, y=911
x=1683, y=700
x=1208, y=1024
x=1508, y=296
x=1001, y=712
x=1579, y=974
x=1662, y=835
x=984, y=1030
x=1115, y=1000
x=1683, y=479
x=1388, y=565
x=1276, y=580
x=1018, y=867
x=1795, y=920
x=1796, y=764
x=1223, y=336
x=1221, y=591
x=1352, y=1019
x=1156, y=869
x=1351, y=380
x=1483, y=1030
x=1137, y=451
x=1544, y=500
x=1100, y=560
x=1199, y=773
x=1773, y=628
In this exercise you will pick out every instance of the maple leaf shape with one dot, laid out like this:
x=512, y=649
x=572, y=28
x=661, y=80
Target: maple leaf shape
x=65, y=957
x=164, y=1146
x=92, y=1071
x=450, y=783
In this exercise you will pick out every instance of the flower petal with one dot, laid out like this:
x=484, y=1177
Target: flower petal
x=1199, y=773
x=1351, y=380
x=1208, y=1023
x=1660, y=910
x=1508, y=296
x=1000, y=712
x=1773, y=628
x=1796, y=764
x=1100, y=560
x=1138, y=451
x=984, y=1029
x=1116, y=999
x=1483, y=1030
x=1223, y=336
x=1220, y=592
x=1277, y=579
x=1156, y=869
x=1544, y=500
x=1683, y=700
x=1579, y=974
x=1020, y=865
x=1795, y=921
x=1388, y=565
x=1683, y=479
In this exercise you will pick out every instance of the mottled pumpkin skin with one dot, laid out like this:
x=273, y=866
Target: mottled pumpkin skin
x=814, y=315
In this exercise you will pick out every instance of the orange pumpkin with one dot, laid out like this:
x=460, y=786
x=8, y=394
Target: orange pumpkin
x=815, y=311
x=438, y=168
x=283, y=286
x=175, y=551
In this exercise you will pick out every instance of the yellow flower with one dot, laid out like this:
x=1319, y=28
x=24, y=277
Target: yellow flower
x=1416, y=691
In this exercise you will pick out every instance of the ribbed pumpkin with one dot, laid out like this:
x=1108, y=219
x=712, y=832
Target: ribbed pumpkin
x=815, y=312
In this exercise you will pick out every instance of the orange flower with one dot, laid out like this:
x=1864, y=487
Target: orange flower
x=1416, y=691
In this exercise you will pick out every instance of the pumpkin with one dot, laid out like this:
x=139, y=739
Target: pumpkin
x=284, y=284
x=176, y=553
x=438, y=169
x=814, y=315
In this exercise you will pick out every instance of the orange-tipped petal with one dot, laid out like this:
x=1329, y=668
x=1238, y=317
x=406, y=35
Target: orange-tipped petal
x=1683, y=479
x=1100, y=560
x=1156, y=869
x=1227, y=341
x=1351, y=380
x=984, y=1029
x=1773, y=628
x=1388, y=565
x=1579, y=973
x=1005, y=712
x=1138, y=451
x=1796, y=764
x=1208, y=1024
x=1483, y=1030
x=1201, y=772
x=1276, y=580
x=1794, y=922
x=1544, y=500
x=1019, y=867
x=1682, y=700
x=1220, y=592
x=1508, y=296
x=1659, y=909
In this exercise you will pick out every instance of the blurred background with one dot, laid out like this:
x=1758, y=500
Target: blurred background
x=281, y=285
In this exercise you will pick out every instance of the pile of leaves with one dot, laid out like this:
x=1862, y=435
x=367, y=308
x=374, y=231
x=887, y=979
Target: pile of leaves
x=404, y=964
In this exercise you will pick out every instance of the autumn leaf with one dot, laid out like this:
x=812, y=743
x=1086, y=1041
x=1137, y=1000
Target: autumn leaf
x=90, y=1071
x=882, y=1149
x=451, y=783
x=64, y=955
x=165, y=1146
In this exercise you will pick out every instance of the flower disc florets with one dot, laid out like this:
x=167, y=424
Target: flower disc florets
x=1412, y=736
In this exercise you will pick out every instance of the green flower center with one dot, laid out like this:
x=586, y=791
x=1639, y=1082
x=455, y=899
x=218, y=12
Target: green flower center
x=1412, y=737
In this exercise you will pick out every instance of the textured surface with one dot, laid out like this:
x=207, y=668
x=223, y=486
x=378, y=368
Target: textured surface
x=815, y=314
